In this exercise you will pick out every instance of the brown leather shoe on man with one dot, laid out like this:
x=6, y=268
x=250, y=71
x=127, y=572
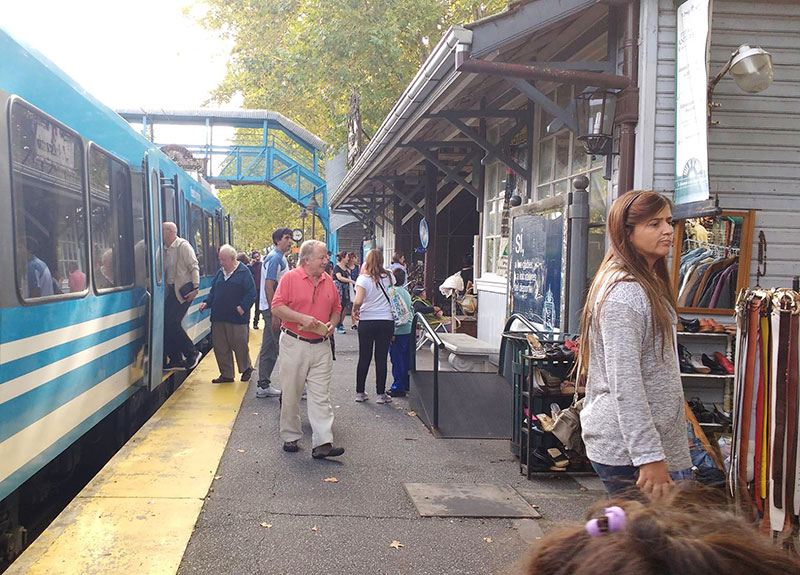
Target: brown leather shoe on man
x=291, y=446
x=326, y=450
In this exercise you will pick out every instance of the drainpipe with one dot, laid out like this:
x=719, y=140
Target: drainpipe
x=628, y=99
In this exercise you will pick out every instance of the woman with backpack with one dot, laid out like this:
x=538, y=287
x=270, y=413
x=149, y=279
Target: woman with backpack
x=372, y=310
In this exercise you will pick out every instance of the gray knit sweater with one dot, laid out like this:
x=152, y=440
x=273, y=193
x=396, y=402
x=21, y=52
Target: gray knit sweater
x=634, y=408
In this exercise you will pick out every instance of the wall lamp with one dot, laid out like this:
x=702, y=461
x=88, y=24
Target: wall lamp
x=751, y=69
x=595, y=111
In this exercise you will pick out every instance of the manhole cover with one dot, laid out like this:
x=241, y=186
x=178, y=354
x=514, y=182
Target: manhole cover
x=467, y=500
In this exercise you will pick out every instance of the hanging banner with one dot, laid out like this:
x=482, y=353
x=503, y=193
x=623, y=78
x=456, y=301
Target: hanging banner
x=691, y=101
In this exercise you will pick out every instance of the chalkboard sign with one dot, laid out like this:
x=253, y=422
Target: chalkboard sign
x=537, y=265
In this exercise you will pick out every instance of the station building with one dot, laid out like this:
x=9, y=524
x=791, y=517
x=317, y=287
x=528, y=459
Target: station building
x=489, y=122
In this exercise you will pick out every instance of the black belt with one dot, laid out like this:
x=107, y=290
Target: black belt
x=301, y=338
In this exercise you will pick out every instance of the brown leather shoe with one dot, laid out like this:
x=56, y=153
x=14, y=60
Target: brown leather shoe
x=291, y=446
x=326, y=450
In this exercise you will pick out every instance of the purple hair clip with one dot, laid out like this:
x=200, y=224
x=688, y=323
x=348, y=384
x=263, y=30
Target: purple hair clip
x=613, y=520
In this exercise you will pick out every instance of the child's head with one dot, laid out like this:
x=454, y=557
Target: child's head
x=399, y=276
x=686, y=535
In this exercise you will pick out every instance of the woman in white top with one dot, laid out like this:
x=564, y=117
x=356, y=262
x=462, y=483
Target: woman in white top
x=373, y=312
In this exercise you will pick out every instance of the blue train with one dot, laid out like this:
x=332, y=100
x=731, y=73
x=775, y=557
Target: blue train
x=82, y=201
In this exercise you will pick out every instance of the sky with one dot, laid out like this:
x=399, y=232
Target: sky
x=106, y=45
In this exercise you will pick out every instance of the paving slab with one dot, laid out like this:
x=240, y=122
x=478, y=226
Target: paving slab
x=467, y=500
x=361, y=514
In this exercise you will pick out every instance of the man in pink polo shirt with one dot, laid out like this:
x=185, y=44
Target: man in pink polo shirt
x=307, y=303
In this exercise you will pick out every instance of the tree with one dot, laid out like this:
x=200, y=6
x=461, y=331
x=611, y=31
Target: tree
x=257, y=211
x=303, y=58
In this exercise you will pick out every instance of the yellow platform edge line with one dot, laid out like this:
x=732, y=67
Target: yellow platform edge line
x=138, y=513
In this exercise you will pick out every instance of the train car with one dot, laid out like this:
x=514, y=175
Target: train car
x=82, y=201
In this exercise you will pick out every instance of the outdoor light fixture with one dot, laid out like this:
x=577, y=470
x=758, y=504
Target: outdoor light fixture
x=595, y=111
x=313, y=204
x=751, y=69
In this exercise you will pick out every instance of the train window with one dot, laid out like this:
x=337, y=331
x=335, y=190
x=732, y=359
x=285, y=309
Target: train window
x=197, y=237
x=111, y=209
x=140, y=253
x=169, y=202
x=212, y=263
x=157, y=236
x=49, y=204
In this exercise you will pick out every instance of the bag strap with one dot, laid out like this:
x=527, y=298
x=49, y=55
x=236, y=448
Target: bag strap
x=380, y=285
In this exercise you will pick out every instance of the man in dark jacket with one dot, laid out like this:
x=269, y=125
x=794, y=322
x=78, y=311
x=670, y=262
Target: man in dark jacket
x=255, y=269
x=232, y=295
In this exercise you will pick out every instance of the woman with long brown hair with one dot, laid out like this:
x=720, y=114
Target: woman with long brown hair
x=633, y=420
x=373, y=312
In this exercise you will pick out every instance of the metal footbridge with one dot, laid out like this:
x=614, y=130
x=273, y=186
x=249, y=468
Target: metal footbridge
x=259, y=147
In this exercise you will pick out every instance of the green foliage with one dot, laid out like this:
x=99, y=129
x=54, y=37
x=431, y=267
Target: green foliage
x=302, y=58
x=257, y=211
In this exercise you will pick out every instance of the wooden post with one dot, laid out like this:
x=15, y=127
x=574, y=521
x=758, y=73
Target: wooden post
x=431, y=178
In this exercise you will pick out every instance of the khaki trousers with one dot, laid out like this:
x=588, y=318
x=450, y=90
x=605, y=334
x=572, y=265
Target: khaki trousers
x=310, y=365
x=231, y=337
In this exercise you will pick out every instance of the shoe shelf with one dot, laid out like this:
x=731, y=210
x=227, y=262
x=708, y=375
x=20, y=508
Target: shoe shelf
x=532, y=402
x=703, y=334
x=707, y=375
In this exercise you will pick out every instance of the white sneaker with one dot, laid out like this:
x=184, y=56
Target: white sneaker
x=383, y=398
x=361, y=397
x=267, y=392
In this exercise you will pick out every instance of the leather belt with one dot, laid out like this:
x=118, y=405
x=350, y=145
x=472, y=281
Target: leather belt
x=746, y=406
x=780, y=408
x=791, y=416
x=301, y=338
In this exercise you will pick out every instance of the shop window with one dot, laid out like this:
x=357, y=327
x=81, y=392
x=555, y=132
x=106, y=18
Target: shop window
x=493, y=218
x=111, y=209
x=49, y=205
x=561, y=159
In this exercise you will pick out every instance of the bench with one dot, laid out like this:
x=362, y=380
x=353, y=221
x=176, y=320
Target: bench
x=468, y=353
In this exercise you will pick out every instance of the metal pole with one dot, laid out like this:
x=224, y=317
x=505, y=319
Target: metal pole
x=578, y=214
x=435, y=386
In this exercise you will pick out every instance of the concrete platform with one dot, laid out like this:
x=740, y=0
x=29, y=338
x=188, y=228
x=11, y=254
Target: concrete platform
x=195, y=493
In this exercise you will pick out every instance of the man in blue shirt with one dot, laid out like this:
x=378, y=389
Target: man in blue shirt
x=274, y=266
x=40, y=281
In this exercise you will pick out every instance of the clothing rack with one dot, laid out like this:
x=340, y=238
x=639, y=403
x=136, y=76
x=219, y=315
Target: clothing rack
x=722, y=250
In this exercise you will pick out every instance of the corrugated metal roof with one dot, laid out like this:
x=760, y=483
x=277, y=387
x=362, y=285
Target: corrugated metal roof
x=227, y=117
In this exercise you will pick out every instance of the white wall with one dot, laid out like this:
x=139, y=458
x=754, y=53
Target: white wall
x=754, y=153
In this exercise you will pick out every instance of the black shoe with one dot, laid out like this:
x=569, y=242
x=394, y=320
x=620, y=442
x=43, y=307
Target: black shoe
x=397, y=393
x=291, y=446
x=247, y=373
x=690, y=325
x=255, y=327
x=716, y=368
x=192, y=362
x=326, y=450
x=222, y=379
x=174, y=366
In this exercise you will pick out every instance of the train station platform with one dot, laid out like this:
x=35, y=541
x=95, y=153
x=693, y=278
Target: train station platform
x=204, y=487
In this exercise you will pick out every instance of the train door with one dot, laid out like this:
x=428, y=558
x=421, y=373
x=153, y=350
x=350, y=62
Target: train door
x=155, y=333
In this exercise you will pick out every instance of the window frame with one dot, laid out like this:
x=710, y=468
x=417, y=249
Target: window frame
x=194, y=208
x=124, y=287
x=13, y=102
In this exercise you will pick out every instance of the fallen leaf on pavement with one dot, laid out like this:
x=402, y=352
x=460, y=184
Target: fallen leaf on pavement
x=240, y=450
x=396, y=545
x=331, y=480
x=535, y=506
x=411, y=438
x=487, y=539
x=267, y=525
x=412, y=414
x=314, y=529
x=218, y=477
x=255, y=413
x=583, y=488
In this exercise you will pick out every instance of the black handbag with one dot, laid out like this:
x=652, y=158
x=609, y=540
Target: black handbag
x=186, y=289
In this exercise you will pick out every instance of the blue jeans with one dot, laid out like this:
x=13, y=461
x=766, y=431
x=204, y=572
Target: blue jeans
x=620, y=480
x=399, y=351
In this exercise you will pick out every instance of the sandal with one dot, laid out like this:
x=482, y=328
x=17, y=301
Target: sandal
x=536, y=347
x=559, y=459
x=545, y=421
